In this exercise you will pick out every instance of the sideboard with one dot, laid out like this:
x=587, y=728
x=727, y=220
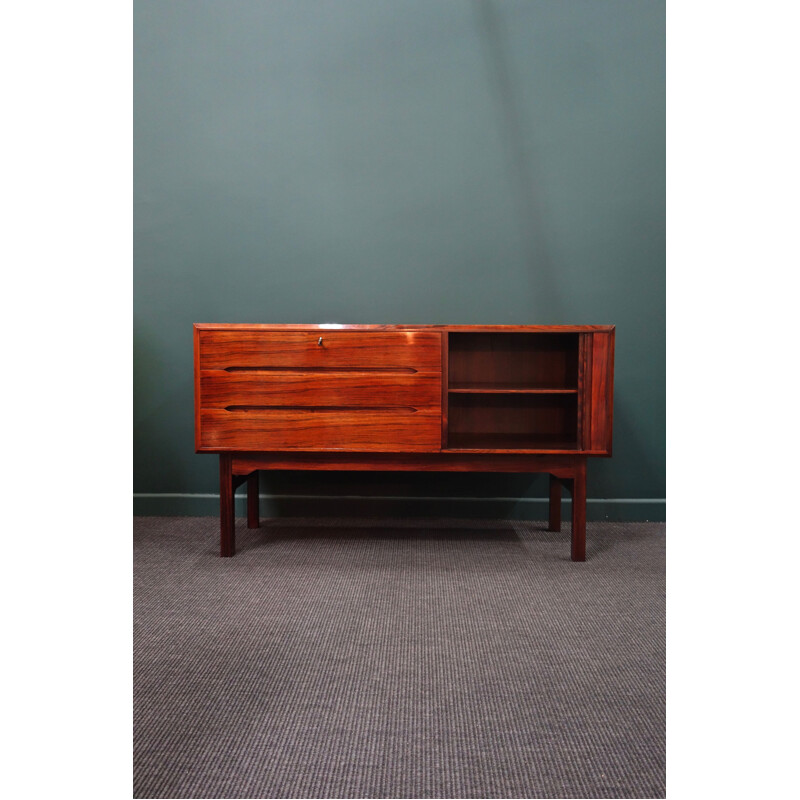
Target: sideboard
x=461, y=398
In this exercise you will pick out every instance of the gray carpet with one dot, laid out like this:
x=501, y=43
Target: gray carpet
x=404, y=659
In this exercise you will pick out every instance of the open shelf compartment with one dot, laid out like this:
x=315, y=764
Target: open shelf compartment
x=513, y=422
x=513, y=361
x=513, y=391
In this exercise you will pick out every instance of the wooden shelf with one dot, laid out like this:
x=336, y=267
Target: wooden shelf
x=509, y=441
x=513, y=421
x=505, y=388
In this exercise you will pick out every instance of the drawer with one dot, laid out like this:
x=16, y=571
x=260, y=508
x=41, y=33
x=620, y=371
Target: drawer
x=221, y=389
x=391, y=429
x=380, y=351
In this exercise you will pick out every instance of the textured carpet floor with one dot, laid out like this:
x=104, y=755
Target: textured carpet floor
x=404, y=659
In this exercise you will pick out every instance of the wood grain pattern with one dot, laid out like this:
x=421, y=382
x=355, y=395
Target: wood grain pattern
x=219, y=389
x=563, y=466
x=602, y=392
x=222, y=349
x=373, y=431
x=196, y=353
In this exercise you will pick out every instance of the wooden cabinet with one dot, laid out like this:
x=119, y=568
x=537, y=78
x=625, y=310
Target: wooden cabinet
x=404, y=397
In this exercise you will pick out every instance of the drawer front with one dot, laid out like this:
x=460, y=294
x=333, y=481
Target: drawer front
x=242, y=349
x=230, y=390
x=371, y=429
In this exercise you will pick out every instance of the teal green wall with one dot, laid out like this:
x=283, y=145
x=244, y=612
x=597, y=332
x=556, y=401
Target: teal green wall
x=398, y=161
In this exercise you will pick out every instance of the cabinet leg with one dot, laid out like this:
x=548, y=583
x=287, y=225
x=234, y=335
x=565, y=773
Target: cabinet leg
x=227, y=539
x=252, y=500
x=579, y=514
x=555, y=504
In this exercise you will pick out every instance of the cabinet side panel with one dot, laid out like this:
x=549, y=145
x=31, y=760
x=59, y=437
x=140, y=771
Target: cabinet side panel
x=196, y=344
x=602, y=391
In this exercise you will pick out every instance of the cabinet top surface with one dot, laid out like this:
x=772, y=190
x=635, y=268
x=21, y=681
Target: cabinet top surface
x=334, y=326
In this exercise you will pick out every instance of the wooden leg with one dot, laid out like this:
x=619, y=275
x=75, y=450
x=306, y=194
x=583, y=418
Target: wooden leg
x=227, y=539
x=555, y=504
x=252, y=500
x=579, y=513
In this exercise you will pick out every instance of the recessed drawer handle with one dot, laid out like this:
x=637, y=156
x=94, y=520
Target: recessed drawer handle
x=329, y=409
x=323, y=370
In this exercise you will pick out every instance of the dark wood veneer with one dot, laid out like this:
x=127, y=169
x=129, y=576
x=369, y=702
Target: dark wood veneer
x=494, y=398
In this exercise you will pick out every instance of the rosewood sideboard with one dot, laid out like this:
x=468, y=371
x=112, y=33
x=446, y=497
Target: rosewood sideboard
x=460, y=398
